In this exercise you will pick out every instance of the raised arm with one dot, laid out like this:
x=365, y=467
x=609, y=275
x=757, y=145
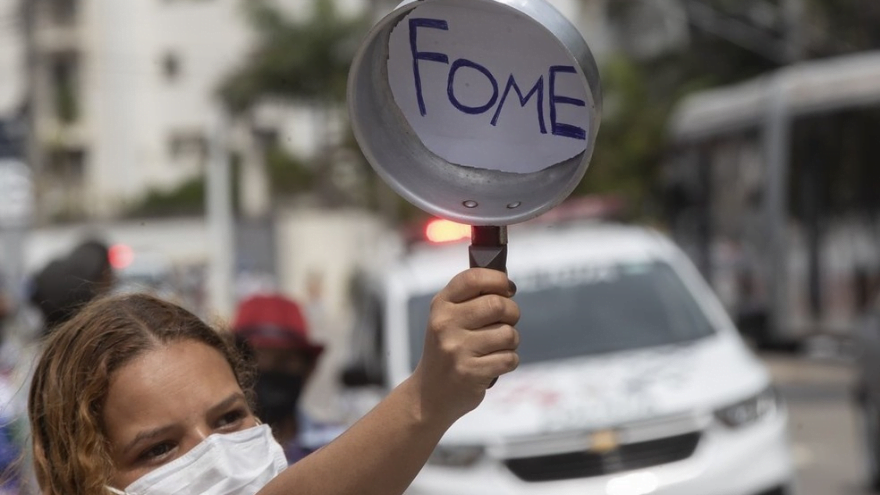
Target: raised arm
x=470, y=340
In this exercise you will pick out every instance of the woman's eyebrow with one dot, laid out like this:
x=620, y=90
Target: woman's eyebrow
x=146, y=435
x=226, y=403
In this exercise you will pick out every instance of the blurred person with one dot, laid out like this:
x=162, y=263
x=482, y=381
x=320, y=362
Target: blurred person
x=57, y=292
x=5, y=306
x=11, y=433
x=10, y=446
x=274, y=330
x=11, y=474
x=66, y=284
x=8, y=308
x=135, y=395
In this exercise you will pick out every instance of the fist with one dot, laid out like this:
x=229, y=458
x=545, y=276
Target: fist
x=470, y=341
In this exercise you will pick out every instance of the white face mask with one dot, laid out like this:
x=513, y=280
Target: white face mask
x=241, y=463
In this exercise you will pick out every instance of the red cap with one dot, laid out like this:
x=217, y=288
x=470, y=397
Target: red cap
x=274, y=321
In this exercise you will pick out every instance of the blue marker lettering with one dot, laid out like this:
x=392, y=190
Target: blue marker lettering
x=450, y=89
x=417, y=55
x=523, y=100
x=560, y=129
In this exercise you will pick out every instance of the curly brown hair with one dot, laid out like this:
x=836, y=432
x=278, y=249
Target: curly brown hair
x=71, y=380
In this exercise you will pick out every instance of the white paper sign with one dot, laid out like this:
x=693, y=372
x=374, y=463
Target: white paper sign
x=485, y=86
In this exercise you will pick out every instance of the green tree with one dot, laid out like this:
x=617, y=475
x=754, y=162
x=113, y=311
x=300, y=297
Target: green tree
x=187, y=198
x=295, y=59
x=299, y=60
x=835, y=27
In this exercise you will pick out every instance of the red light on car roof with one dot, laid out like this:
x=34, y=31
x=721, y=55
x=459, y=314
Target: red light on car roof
x=439, y=230
x=121, y=256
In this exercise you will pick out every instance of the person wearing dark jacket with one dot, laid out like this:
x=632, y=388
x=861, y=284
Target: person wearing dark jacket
x=67, y=284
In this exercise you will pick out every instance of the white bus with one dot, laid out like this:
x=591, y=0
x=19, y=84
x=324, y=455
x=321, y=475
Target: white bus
x=772, y=187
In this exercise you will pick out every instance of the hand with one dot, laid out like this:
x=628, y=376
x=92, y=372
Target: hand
x=470, y=341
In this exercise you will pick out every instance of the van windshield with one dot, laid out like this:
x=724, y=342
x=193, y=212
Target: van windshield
x=592, y=309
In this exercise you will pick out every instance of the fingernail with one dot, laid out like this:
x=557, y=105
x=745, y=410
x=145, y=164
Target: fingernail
x=512, y=287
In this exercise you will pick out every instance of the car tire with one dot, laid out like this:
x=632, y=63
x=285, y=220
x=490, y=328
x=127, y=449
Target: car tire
x=870, y=422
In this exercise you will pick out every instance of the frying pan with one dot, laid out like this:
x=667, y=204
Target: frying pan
x=483, y=112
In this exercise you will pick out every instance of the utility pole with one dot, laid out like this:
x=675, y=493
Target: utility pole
x=795, y=40
x=218, y=209
x=31, y=149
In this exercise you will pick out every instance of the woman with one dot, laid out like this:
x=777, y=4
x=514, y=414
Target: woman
x=135, y=395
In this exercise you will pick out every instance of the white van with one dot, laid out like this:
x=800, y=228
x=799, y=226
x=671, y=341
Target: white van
x=632, y=381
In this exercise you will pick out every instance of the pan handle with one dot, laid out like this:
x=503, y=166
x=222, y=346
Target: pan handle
x=488, y=249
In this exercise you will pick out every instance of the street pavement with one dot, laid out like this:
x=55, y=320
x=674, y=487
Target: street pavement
x=824, y=424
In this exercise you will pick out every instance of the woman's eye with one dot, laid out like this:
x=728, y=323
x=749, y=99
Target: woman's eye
x=232, y=418
x=156, y=452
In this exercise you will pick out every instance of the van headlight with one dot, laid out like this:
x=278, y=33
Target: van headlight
x=456, y=455
x=751, y=410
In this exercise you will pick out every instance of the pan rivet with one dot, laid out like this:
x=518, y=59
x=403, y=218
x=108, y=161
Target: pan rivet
x=514, y=205
x=470, y=204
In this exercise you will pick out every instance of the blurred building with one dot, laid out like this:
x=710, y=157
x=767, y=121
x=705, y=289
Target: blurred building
x=124, y=95
x=12, y=60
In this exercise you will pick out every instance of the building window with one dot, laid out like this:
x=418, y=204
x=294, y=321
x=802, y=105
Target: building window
x=64, y=12
x=67, y=164
x=267, y=138
x=171, y=66
x=64, y=183
x=64, y=81
x=187, y=145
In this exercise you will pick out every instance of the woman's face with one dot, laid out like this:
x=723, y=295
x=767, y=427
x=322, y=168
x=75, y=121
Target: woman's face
x=166, y=401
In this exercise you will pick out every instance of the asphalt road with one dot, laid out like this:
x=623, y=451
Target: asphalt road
x=824, y=425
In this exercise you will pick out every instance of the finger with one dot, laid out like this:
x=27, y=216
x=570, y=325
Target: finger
x=494, y=339
x=475, y=282
x=485, y=311
x=498, y=363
